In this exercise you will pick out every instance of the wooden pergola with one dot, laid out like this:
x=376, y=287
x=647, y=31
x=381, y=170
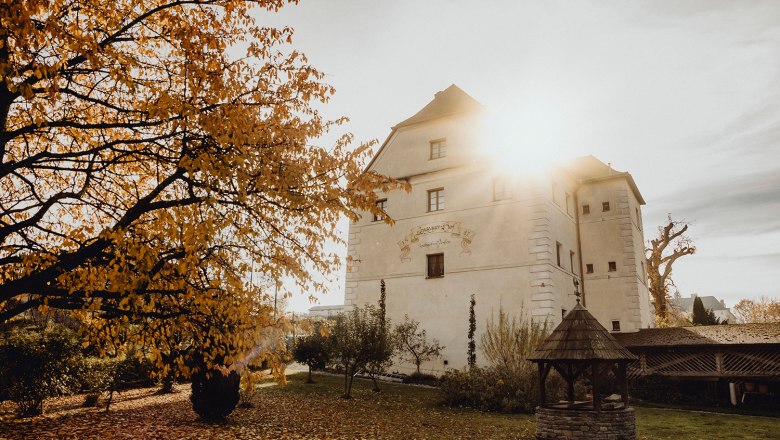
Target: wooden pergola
x=581, y=347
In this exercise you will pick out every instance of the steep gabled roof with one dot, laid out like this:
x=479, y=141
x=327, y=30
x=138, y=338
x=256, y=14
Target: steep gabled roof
x=709, y=303
x=450, y=101
x=580, y=337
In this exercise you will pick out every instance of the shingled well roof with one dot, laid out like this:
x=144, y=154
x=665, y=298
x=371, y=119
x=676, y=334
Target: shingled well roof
x=580, y=337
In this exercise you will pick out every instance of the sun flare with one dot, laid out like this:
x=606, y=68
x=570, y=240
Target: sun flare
x=525, y=137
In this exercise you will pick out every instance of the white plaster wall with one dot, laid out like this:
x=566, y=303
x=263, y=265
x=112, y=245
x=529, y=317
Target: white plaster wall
x=503, y=252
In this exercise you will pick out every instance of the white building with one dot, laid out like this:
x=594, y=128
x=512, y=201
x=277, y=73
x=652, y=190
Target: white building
x=513, y=240
x=718, y=307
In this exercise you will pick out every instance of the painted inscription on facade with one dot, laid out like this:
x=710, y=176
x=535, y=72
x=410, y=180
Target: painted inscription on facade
x=418, y=233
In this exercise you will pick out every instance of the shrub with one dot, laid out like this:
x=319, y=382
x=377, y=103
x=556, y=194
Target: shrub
x=132, y=372
x=510, y=384
x=422, y=379
x=215, y=394
x=312, y=350
x=35, y=365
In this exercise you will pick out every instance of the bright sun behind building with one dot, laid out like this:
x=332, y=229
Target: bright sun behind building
x=516, y=236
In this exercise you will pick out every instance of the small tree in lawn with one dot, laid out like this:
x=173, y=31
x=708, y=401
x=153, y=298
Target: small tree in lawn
x=414, y=345
x=353, y=341
x=472, y=351
x=382, y=345
x=312, y=350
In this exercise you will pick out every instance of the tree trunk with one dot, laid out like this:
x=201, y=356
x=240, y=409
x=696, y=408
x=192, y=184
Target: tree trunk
x=309, y=380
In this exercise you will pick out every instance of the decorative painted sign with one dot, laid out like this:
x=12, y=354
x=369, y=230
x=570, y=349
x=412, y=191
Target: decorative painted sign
x=454, y=229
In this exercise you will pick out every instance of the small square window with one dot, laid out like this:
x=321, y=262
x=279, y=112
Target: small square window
x=604, y=206
x=612, y=266
x=568, y=204
x=571, y=261
x=381, y=204
x=436, y=199
x=558, y=248
x=438, y=149
x=588, y=268
x=586, y=209
x=435, y=265
x=615, y=326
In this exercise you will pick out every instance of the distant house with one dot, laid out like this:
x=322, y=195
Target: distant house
x=326, y=311
x=718, y=306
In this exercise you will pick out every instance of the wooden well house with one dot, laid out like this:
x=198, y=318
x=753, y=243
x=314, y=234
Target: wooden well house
x=580, y=347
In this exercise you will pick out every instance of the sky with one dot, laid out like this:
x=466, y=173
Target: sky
x=683, y=95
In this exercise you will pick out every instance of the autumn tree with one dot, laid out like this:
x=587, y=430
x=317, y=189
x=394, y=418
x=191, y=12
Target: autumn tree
x=763, y=309
x=671, y=244
x=150, y=151
x=414, y=345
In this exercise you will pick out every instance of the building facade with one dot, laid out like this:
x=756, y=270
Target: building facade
x=515, y=241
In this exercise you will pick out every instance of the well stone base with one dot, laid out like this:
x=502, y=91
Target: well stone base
x=576, y=424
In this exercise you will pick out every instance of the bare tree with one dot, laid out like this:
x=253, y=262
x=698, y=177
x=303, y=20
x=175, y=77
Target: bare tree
x=671, y=244
x=414, y=344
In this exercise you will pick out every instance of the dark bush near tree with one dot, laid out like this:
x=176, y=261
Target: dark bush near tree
x=215, y=395
x=422, y=379
x=312, y=350
x=34, y=366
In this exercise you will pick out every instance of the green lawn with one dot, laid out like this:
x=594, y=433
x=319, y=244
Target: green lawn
x=422, y=414
x=316, y=411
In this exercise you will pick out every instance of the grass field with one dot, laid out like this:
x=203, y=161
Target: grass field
x=302, y=410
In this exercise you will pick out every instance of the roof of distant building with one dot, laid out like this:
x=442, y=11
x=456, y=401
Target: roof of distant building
x=450, y=101
x=686, y=304
x=329, y=307
x=731, y=334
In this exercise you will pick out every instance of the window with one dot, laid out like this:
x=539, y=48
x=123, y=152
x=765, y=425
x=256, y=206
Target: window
x=612, y=266
x=436, y=199
x=604, y=206
x=435, y=265
x=563, y=313
x=638, y=219
x=571, y=261
x=501, y=189
x=438, y=149
x=568, y=204
x=615, y=326
x=558, y=248
x=588, y=268
x=381, y=204
x=585, y=209
x=555, y=193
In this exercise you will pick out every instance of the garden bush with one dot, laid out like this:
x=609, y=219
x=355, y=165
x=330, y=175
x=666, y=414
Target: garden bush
x=489, y=389
x=35, y=365
x=215, y=394
x=422, y=379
